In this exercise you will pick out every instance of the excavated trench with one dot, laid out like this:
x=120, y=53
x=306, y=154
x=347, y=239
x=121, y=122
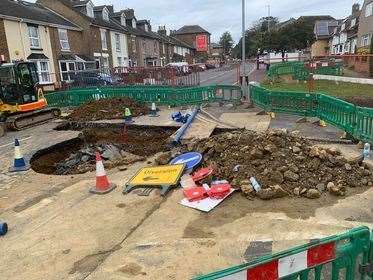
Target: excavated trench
x=117, y=146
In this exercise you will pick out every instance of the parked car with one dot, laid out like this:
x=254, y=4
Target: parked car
x=92, y=78
x=210, y=66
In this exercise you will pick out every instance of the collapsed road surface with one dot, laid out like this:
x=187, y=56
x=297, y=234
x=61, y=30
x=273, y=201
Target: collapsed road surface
x=58, y=230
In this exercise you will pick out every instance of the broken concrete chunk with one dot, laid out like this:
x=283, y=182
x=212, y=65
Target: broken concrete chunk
x=291, y=176
x=313, y=193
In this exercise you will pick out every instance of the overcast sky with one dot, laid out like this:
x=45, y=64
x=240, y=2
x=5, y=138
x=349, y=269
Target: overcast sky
x=217, y=16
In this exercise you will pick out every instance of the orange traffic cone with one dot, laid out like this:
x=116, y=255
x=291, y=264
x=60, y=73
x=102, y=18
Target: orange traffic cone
x=103, y=185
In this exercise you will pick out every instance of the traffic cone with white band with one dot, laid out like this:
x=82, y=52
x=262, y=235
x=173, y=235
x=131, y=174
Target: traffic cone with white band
x=103, y=185
x=19, y=162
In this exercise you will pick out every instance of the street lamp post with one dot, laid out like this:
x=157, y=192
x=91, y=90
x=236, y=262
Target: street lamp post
x=243, y=39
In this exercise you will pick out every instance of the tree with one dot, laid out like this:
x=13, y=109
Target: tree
x=226, y=42
x=296, y=35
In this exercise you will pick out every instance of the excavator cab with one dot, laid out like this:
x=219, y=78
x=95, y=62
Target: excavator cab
x=18, y=83
x=22, y=101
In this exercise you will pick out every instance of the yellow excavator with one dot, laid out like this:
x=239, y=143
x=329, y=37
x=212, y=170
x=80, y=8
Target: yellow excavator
x=22, y=102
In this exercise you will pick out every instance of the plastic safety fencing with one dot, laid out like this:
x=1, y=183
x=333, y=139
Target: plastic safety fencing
x=300, y=72
x=356, y=121
x=337, y=112
x=283, y=68
x=343, y=256
x=303, y=104
x=364, y=124
x=163, y=95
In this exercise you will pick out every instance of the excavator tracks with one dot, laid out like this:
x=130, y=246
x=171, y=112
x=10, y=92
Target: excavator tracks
x=25, y=120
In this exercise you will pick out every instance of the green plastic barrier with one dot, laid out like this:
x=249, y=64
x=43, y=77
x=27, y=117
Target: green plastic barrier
x=336, y=257
x=296, y=103
x=160, y=94
x=357, y=121
x=260, y=97
x=337, y=112
x=364, y=124
x=300, y=72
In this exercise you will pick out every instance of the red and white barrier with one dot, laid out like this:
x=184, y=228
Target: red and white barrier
x=288, y=265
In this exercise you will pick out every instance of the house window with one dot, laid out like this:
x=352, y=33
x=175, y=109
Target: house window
x=64, y=40
x=343, y=27
x=353, y=22
x=365, y=41
x=123, y=20
x=43, y=70
x=163, y=48
x=105, y=14
x=369, y=10
x=133, y=45
x=89, y=8
x=155, y=46
x=33, y=33
x=120, y=61
x=67, y=70
x=103, y=39
x=146, y=28
x=133, y=23
x=117, y=42
x=105, y=62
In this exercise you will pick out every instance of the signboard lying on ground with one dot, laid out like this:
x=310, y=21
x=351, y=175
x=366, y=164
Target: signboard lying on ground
x=158, y=176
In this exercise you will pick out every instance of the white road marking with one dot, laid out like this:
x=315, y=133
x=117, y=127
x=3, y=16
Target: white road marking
x=12, y=143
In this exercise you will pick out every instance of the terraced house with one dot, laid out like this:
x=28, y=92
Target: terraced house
x=365, y=35
x=102, y=43
x=30, y=32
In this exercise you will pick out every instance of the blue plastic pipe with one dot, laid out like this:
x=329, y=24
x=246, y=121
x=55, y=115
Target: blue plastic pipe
x=185, y=127
x=3, y=228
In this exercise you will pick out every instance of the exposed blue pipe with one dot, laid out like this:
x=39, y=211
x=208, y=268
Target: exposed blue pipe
x=185, y=127
x=3, y=228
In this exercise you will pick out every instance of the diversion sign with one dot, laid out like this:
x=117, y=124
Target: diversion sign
x=158, y=176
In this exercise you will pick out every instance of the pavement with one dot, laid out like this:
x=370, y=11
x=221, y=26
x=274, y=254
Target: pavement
x=58, y=230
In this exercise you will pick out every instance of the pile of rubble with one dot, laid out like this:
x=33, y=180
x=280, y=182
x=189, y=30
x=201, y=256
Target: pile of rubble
x=282, y=163
x=106, y=109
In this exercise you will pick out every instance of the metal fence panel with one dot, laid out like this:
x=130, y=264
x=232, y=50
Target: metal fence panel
x=336, y=257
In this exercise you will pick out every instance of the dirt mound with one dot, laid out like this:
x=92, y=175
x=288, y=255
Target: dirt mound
x=362, y=101
x=283, y=164
x=106, y=109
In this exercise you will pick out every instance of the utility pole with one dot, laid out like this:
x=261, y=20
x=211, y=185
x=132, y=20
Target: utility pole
x=269, y=17
x=243, y=39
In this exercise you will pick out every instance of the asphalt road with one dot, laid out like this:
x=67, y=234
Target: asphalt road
x=223, y=76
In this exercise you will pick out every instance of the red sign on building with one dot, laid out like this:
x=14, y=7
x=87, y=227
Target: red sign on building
x=201, y=43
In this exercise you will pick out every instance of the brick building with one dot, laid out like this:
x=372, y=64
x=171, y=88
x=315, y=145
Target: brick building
x=189, y=34
x=30, y=32
x=102, y=43
x=365, y=36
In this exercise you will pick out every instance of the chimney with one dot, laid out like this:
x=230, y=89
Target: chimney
x=162, y=30
x=355, y=9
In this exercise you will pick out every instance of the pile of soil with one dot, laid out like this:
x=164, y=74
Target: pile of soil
x=117, y=148
x=362, y=101
x=282, y=163
x=107, y=109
